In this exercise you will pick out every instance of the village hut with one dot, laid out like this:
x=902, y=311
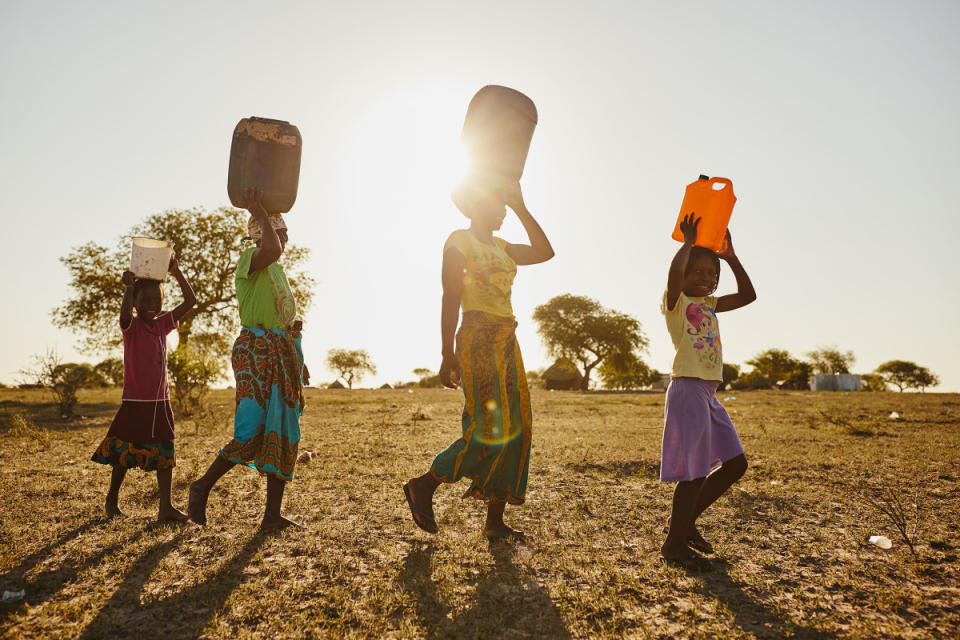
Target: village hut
x=335, y=385
x=562, y=375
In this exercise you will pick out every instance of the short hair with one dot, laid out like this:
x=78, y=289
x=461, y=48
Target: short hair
x=142, y=284
x=702, y=252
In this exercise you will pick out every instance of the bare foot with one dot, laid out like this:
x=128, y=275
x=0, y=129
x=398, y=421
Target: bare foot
x=278, y=524
x=694, y=539
x=501, y=532
x=698, y=542
x=113, y=509
x=171, y=514
x=197, y=505
x=675, y=550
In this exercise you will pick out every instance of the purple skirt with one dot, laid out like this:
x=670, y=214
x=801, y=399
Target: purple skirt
x=697, y=432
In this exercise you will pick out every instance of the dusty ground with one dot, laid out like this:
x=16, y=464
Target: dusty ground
x=792, y=551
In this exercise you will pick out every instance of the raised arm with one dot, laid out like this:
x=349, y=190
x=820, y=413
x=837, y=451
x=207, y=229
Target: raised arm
x=189, y=297
x=270, y=248
x=745, y=293
x=539, y=249
x=126, y=307
x=453, y=266
x=688, y=226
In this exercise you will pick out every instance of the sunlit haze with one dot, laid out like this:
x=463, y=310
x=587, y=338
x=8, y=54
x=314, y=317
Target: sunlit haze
x=836, y=121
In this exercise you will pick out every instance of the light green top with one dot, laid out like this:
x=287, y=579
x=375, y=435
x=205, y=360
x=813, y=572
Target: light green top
x=264, y=297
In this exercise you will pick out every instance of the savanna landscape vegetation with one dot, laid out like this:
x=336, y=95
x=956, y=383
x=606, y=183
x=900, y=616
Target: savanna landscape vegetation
x=793, y=558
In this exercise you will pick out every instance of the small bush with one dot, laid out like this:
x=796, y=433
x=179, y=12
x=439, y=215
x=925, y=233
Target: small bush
x=751, y=380
x=21, y=426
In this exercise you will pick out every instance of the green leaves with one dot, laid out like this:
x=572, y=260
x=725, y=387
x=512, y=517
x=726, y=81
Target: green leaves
x=579, y=328
x=207, y=245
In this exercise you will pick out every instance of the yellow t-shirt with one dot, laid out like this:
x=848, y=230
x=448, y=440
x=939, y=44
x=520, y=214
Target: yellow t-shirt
x=264, y=297
x=695, y=332
x=489, y=274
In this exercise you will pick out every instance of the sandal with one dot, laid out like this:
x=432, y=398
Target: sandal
x=416, y=513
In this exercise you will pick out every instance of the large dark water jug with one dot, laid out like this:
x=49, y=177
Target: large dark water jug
x=497, y=131
x=265, y=154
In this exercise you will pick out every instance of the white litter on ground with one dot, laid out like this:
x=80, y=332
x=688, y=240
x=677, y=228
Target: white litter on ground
x=881, y=541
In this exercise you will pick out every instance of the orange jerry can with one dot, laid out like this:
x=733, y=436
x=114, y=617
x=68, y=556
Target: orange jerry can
x=711, y=200
x=265, y=154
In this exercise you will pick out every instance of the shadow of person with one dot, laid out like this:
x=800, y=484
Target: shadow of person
x=181, y=615
x=415, y=578
x=507, y=600
x=752, y=616
x=41, y=586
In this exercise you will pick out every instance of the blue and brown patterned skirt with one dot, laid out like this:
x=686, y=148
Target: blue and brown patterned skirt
x=268, y=366
x=494, y=450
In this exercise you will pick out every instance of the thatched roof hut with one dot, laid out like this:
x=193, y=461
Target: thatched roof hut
x=562, y=375
x=335, y=385
x=385, y=386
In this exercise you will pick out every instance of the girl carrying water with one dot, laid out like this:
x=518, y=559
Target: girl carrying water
x=141, y=434
x=269, y=370
x=698, y=435
x=478, y=273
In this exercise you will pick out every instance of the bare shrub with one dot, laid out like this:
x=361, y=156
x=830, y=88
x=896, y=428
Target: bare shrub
x=62, y=380
x=23, y=427
x=899, y=506
x=419, y=413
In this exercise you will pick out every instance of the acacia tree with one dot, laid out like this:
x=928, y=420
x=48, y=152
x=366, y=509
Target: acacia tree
x=350, y=364
x=777, y=365
x=831, y=360
x=207, y=245
x=579, y=328
x=904, y=374
x=626, y=371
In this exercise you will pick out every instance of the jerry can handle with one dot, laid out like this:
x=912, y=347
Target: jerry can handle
x=724, y=181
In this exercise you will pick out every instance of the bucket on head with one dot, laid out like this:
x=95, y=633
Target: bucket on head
x=497, y=131
x=711, y=200
x=265, y=154
x=150, y=258
x=476, y=186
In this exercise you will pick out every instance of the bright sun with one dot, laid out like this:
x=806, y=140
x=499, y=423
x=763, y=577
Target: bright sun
x=406, y=147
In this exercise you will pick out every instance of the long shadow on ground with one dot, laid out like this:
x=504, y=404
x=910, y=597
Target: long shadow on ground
x=41, y=586
x=182, y=615
x=751, y=615
x=619, y=468
x=507, y=600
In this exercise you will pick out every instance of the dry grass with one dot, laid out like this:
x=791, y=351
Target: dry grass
x=791, y=538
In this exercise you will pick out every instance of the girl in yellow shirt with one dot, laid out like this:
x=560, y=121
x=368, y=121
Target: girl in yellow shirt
x=478, y=272
x=701, y=451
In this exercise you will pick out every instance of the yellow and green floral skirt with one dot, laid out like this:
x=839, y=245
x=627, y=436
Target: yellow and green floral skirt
x=494, y=450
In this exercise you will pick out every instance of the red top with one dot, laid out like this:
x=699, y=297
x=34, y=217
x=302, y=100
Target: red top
x=145, y=359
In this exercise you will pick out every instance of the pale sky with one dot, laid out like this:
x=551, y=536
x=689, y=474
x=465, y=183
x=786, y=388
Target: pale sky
x=837, y=122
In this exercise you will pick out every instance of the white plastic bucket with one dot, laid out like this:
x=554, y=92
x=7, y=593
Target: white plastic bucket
x=150, y=258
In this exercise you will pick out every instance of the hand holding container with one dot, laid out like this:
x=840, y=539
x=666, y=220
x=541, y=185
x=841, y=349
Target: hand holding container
x=711, y=200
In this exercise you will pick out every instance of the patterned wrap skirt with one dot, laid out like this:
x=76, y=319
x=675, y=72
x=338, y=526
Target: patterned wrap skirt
x=268, y=366
x=140, y=436
x=494, y=450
